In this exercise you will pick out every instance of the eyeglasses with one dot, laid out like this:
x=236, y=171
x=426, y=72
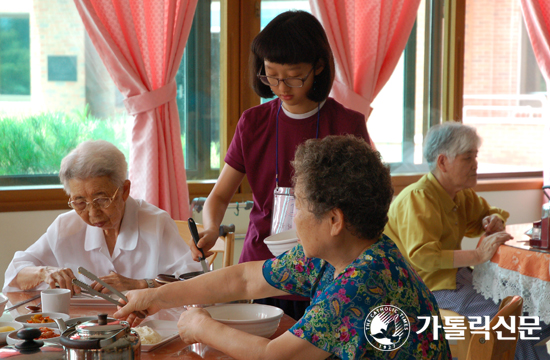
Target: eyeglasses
x=293, y=82
x=98, y=203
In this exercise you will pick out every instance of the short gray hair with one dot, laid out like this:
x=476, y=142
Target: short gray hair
x=94, y=159
x=450, y=139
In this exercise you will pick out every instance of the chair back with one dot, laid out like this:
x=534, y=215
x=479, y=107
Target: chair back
x=499, y=349
x=225, y=243
x=459, y=347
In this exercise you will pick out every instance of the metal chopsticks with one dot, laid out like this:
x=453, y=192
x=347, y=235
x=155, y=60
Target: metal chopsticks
x=16, y=305
x=95, y=292
x=91, y=276
x=139, y=314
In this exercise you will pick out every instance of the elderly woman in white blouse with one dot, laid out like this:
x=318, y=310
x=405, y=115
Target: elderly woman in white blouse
x=124, y=241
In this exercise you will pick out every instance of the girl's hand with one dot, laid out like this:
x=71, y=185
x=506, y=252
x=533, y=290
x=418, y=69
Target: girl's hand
x=191, y=322
x=208, y=238
x=61, y=277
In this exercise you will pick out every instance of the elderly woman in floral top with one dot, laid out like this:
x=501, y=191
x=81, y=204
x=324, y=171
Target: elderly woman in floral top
x=366, y=301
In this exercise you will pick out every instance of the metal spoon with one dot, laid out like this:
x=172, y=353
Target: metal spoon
x=34, y=308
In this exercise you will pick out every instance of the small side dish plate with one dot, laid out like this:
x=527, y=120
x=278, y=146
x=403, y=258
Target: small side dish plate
x=166, y=328
x=23, y=319
x=3, y=335
x=13, y=339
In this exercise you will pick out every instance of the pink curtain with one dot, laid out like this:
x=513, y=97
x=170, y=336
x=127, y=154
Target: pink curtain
x=367, y=38
x=536, y=14
x=141, y=43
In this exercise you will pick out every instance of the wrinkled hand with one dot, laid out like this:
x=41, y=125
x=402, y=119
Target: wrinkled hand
x=137, y=300
x=490, y=244
x=117, y=281
x=60, y=276
x=190, y=323
x=492, y=224
x=207, y=241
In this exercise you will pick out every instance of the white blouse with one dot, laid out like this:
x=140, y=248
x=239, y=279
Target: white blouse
x=148, y=244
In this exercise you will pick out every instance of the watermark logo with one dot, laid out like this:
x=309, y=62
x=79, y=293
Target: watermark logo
x=387, y=328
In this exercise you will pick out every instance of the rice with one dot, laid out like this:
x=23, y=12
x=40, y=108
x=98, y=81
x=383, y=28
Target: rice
x=147, y=335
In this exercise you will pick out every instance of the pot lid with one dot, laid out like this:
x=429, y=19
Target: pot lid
x=31, y=349
x=100, y=327
x=95, y=334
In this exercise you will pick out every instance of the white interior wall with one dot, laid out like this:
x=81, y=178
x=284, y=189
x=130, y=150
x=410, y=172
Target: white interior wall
x=18, y=230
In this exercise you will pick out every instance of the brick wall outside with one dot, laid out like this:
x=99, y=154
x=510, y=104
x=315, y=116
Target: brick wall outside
x=60, y=32
x=492, y=42
x=56, y=29
x=492, y=67
x=511, y=144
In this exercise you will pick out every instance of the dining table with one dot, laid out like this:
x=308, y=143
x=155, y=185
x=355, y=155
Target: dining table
x=517, y=268
x=170, y=350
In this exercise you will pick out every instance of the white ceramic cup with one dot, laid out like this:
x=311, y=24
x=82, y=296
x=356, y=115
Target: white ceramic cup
x=56, y=300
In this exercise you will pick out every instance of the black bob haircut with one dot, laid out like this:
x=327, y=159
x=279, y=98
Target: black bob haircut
x=293, y=37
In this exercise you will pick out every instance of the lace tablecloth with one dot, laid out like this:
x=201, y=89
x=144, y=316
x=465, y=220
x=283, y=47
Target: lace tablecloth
x=495, y=282
x=517, y=269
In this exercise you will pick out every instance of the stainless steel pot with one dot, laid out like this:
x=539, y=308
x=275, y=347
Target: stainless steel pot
x=101, y=339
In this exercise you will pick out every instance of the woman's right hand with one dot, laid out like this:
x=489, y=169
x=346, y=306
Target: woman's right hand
x=62, y=277
x=489, y=245
x=208, y=238
x=144, y=299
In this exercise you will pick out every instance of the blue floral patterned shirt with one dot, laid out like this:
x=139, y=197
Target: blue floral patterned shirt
x=344, y=317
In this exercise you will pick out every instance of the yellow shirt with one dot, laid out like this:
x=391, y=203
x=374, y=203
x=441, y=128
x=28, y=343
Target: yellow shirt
x=428, y=226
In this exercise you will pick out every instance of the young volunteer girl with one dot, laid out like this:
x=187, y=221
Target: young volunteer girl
x=291, y=59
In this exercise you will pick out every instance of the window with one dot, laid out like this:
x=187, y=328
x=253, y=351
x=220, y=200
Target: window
x=410, y=102
x=198, y=97
x=74, y=99
x=70, y=96
x=271, y=8
x=504, y=91
x=14, y=55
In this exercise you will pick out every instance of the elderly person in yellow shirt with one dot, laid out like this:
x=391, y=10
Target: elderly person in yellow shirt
x=429, y=219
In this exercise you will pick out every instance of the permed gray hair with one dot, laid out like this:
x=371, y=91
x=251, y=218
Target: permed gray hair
x=450, y=139
x=344, y=172
x=93, y=159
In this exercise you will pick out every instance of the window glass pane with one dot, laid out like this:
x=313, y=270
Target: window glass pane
x=70, y=97
x=271, y=8
x=64, y=95
x=198, y=97
x=503, y=88
x=14, y=55
x=408, y=103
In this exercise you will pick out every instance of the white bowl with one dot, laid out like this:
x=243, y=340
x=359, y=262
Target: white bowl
x=23, y=319
x=281, y=242
x=4, y=334
x=3, y=302
x=255, y=319
x=13, y=339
